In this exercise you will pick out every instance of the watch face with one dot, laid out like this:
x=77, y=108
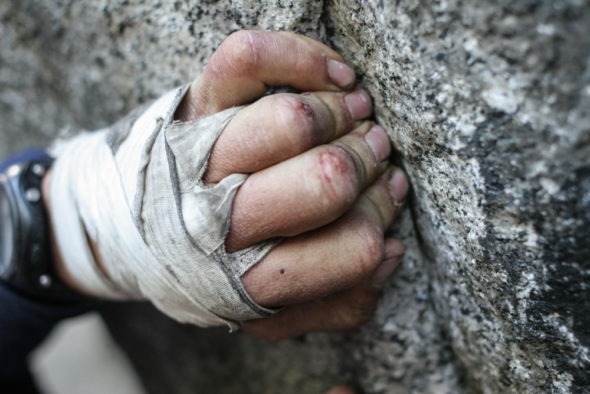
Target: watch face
x=6, y=232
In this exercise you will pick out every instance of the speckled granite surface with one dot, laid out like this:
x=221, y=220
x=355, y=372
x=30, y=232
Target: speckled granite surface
x=488, y=104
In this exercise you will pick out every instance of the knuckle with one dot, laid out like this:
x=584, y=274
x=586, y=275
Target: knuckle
x=360, y=312
x=371, y=249
x=336, y=114
x=338, y=175
x=380, y=201
x=241, y=51
x=296, y=117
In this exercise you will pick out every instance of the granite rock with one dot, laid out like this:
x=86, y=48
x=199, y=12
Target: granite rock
x=488, y=106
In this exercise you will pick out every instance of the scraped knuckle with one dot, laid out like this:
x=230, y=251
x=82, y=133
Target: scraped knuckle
x=338, y=175
x=296, y=117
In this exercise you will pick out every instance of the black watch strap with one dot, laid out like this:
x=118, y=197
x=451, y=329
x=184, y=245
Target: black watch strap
x=27, y=260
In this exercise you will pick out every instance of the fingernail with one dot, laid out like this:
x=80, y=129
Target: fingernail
x=384, y=271
x=398, y=184
x=378, y=142
x=358, y=104
x=340, y=73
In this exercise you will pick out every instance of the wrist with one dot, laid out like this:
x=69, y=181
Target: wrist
x=59, y=267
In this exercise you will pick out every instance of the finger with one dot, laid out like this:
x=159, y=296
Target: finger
x=281, y=126
x=332, y=258
x=341, y=311
x=394, y=252
x=247, y=62
x=309, y=190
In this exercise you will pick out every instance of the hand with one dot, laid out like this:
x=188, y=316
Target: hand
x=319, y=177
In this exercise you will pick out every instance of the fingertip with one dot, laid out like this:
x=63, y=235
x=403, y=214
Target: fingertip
x=399, y=186
x=341, y=74
x=393, y=255
x=378, y=142
x=359, y=104
x=384, y=271
x=393, y=248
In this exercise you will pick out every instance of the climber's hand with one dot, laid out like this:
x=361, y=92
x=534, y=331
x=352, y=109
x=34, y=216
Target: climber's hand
x=319, y=177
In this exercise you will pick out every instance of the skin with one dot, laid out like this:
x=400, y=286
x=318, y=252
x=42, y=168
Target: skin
x=327, y=273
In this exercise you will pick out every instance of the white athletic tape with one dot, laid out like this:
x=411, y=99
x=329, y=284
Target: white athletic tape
x=136, y=191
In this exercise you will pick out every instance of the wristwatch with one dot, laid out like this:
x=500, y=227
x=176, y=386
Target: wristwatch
x=26, y=263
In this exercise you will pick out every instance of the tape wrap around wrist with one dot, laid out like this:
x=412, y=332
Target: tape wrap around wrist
x=135, y=193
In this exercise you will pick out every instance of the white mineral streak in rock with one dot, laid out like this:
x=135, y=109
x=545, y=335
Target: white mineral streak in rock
x=501, y=99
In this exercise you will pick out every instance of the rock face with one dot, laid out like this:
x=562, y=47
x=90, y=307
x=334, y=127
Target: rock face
x=488, y=104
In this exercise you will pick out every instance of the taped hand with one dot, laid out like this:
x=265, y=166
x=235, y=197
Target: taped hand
x=317, y=199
